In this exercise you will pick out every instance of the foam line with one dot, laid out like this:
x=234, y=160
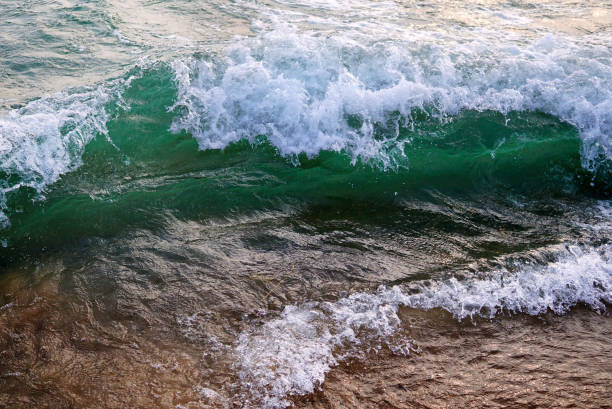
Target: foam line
x=291, y=354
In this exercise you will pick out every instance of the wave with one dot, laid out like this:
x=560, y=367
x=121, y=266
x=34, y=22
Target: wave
x=309, y=93
x=302, y=90
x=47, y=137
x=291, y=354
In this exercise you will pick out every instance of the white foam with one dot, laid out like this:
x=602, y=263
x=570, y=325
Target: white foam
x=46, y=138
x=291, y=355
x=578, y=277
x=298, y=88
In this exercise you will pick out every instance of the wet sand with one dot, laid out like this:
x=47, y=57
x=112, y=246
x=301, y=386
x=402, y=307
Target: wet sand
x=518, y=362
x=57, y=354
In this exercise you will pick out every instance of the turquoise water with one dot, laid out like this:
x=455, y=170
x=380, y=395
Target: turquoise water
x=138, y=172
x=331, y=147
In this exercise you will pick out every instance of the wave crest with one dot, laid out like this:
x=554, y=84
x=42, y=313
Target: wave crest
x=300, y=89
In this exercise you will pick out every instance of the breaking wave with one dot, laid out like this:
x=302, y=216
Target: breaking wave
x=308, y=93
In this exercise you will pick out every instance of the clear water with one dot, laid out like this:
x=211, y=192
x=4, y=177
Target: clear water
x=226, y=203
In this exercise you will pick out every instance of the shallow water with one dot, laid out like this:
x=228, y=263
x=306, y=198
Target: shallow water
x=315, y=204
x=518, y=362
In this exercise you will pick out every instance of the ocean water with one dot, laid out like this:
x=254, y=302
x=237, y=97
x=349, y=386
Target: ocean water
x=254, y=204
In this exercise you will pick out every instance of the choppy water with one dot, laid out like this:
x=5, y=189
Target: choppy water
x=224, y=203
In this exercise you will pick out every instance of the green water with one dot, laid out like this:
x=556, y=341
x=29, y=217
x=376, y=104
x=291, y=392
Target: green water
x=141, y=173
x=212, y=203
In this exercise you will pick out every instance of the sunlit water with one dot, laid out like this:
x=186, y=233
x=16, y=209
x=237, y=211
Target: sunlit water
x=320, y=204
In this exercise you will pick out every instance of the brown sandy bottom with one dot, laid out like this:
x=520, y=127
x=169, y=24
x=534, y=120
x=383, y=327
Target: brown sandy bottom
x=56, y=353
x=515, y=362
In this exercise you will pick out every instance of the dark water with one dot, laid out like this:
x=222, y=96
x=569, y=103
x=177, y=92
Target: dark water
x=358, y=204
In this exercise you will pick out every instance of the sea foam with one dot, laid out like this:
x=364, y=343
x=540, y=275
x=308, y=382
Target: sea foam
x=290, y=355
x=300, y=88
x=47, y=137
